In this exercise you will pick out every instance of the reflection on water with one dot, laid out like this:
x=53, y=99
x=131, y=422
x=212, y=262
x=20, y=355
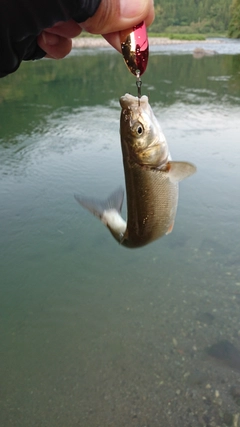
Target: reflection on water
x=93, y=334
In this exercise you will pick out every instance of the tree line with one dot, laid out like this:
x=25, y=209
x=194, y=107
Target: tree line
x=234, y=24
x=197, y=16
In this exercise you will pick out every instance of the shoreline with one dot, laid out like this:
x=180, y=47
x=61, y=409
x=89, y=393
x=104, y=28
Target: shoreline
x=92, y=42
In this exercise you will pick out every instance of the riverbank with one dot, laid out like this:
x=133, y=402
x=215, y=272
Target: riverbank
x=92, y=42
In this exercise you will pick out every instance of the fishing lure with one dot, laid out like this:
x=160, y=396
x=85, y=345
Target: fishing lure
x=135, y=48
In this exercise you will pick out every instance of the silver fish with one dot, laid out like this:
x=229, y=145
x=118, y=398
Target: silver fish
x=151, y=179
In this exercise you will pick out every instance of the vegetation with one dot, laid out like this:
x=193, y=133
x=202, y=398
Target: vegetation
x=192, y=16
x=193, y=19
x=189, y=19
x=234, y=25
x=186, y=36
x=176, y=36
x=86, y=34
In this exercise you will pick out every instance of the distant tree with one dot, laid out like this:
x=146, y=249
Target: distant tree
x=197, y=15
x=234, y=25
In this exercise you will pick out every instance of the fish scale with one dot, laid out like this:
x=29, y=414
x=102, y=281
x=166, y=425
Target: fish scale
x=152, y=204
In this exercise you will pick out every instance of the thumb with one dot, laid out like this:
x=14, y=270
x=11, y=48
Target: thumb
x=113, y=16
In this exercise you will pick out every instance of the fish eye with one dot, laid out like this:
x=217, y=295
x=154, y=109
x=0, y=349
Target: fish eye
x=138, y=129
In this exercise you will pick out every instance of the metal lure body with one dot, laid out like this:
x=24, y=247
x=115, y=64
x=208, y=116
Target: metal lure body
x=135, y=49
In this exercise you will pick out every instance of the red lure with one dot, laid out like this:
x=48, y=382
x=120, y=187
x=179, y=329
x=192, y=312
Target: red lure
x=135, y=49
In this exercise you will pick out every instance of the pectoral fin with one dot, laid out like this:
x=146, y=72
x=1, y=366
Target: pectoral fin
x=180, y=170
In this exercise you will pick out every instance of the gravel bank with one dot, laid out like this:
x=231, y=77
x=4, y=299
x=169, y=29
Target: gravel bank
x=153, y=41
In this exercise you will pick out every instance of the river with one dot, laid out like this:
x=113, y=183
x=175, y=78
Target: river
x=93, y=334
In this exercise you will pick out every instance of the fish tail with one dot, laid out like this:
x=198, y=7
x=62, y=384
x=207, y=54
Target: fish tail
x=115, y=200
x=99, y=207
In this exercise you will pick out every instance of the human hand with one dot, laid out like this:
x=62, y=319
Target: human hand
x=110, y=18
x=57, y=40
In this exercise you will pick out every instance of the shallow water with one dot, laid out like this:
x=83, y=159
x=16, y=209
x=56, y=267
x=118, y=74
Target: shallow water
x=216, y=45
x=93, y=334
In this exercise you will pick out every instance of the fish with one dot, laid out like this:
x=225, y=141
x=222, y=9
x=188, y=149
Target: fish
x=151, y=179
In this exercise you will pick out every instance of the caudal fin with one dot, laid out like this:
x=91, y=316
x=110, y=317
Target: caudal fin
x=98, y=207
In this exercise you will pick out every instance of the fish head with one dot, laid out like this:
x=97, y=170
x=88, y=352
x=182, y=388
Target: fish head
x=142, y=138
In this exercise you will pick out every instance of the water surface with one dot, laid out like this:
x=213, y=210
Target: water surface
x=93, y=334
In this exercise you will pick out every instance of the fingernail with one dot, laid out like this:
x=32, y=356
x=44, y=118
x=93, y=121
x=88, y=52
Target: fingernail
x=50, y=39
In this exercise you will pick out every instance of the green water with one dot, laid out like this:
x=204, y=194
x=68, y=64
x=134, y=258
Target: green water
x=93, y=334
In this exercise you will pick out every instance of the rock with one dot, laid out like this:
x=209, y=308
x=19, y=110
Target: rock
x=228, y=419
x=226, y=352
x=235, y=393
x=199, y=52
x=206, y=318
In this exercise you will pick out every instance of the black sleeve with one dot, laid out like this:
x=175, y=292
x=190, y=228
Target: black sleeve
x=21, y=21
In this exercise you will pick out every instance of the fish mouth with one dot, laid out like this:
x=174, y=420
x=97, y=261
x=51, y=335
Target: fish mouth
x=131, y=102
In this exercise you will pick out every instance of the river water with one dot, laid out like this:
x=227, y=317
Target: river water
x=93, y=334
